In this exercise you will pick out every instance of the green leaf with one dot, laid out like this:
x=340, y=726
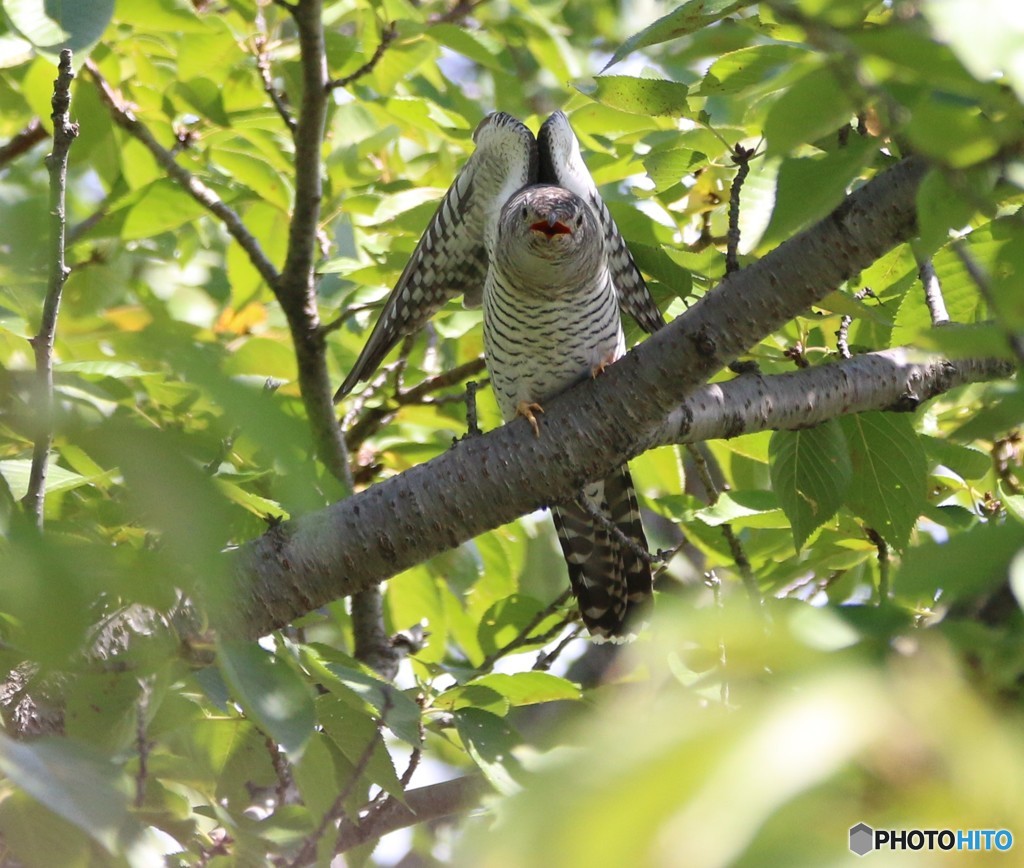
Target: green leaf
x=659, y=265
x=51, y=26
x=272, y=693
x=985, y=34
x=490, y=742
x=968, y=462
x=357, y=735
x=733, y=505
x=506, y=619
x=640, y=96
x=811, y=472
x=685, y=19
x=890, y=473
x=17, y=471
x=530, y=688
x=400, y=714
x=812, y=108
x=75, y=783
x=737, y=71
x=969, y=564
x=668, y=167
x=811, y=187
x=160, y=207
x=941, y=208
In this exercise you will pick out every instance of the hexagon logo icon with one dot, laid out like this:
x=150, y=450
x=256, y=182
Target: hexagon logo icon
x=862, y=839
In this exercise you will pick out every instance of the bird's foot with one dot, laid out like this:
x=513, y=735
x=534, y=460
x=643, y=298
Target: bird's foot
x=527, y=409
x=599, y=368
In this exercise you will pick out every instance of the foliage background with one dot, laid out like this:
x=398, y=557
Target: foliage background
x=879, y=681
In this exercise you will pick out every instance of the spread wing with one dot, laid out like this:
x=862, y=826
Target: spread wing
x=562, y=163
x=452, y=256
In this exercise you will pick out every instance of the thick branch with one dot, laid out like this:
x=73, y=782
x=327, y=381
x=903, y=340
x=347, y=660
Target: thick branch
x=64, y=133
x=898, y=379
x=489, y=480
x=420, y=805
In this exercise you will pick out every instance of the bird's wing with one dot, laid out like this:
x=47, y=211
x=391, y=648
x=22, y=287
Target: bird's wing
x=562, y=163
x=452, y=256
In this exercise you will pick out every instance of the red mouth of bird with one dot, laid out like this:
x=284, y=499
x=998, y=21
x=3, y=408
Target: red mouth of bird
x=551, y=229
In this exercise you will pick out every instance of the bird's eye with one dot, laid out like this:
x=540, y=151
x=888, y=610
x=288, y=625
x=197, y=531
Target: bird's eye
x=579, y=220
x=524, y=212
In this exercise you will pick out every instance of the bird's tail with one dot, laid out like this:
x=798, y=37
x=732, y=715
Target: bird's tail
x=609, y=577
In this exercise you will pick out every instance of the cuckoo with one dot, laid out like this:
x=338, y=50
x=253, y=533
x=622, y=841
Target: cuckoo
x=524, y=231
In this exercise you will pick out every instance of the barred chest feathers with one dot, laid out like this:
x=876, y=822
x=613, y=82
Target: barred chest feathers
x=551, y=315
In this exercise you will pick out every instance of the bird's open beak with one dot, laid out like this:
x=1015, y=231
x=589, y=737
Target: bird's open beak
x=551, y=228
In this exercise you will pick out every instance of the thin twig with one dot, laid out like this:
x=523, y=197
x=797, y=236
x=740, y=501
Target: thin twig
x=125, y=118
x=260, y=43
x=142, y=744
x=843, y=333
x=64, y=133
x=281, y=771
x=382, y=800
x=843, y=337
x=22, y=141
x=715, y=584
x=884, y=589
x=524, y=637
x=739, y=556
x=933, y=292
x=741, y=157
x=545, y=660
x=307, y=852
x=386, y=38
x=472, y=423
x=460, y=10
x=367, y=423
x=441, y=381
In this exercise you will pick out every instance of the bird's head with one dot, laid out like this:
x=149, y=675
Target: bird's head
x=551, y=232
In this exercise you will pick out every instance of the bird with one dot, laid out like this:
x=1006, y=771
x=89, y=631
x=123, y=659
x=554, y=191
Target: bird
x=524, y=231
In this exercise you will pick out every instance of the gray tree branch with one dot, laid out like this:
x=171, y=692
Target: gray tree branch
x=420, y=805
x=64, y=133
x=489, y=480
x=22, y=141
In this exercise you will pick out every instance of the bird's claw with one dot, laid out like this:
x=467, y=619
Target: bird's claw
x=599, y=368
x=527, y=409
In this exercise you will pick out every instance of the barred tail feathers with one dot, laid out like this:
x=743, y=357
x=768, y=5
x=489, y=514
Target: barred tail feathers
x=609, y=578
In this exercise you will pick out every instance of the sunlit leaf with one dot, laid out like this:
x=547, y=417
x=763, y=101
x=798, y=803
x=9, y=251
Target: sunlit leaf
x=271, y=693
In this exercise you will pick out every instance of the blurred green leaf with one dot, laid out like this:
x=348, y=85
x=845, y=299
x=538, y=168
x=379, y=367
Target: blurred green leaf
x=53, y=26
x=271, y=692
x=813, y=107
x=490, y=741
x=75, y=783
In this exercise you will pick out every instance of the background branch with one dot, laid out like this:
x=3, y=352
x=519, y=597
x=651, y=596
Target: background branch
x=22, y=141
x=64, y=133
x=421, y=804
x=125, y=118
